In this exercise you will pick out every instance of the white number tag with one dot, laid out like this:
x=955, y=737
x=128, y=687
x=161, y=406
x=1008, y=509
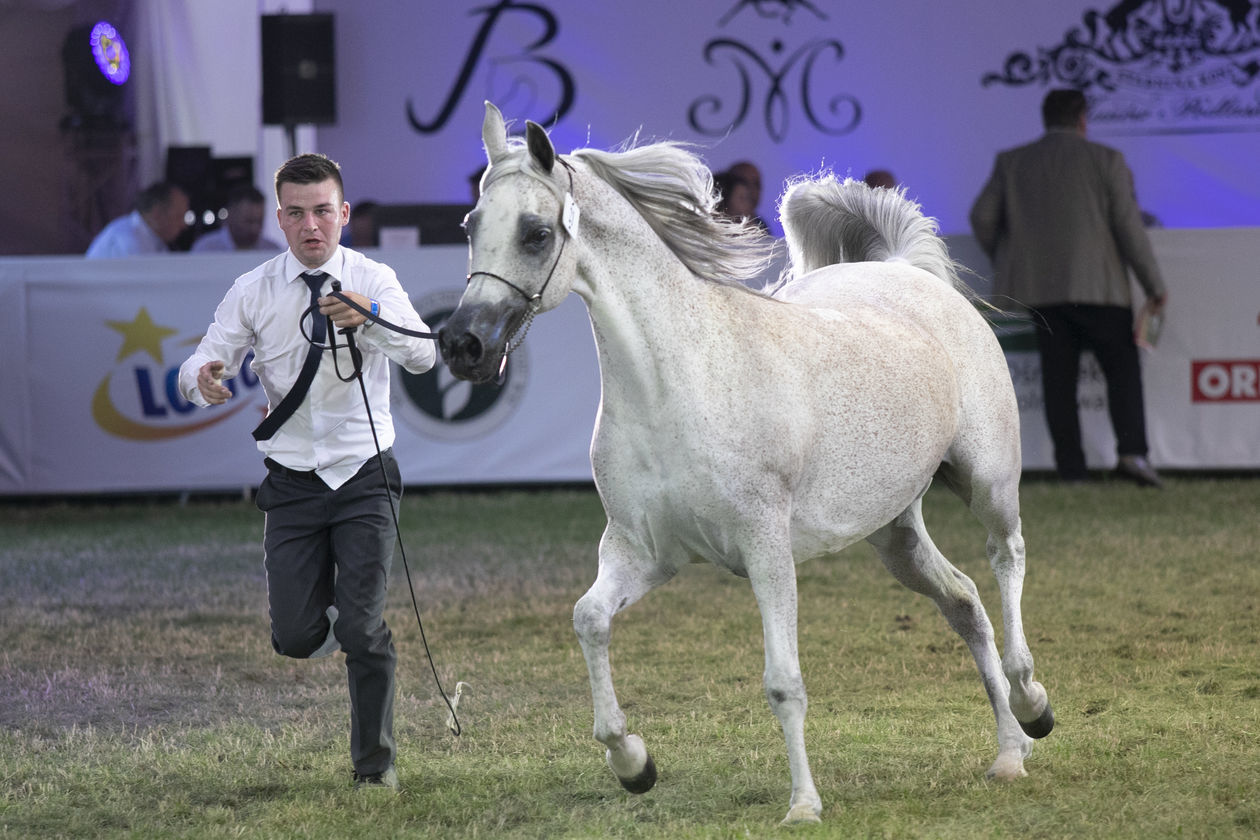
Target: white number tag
x=571, y=215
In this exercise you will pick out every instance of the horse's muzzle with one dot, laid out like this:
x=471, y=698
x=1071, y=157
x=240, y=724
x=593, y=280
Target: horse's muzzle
x=472, y=342
x=459, y=348
x=463, y=354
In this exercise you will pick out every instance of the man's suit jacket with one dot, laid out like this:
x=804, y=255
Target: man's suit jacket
x=1059, y=219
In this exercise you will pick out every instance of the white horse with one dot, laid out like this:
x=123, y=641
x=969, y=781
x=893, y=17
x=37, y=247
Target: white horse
x=753, y=430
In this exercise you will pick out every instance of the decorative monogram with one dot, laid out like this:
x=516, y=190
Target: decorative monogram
x=810, y=69
x=521, y=68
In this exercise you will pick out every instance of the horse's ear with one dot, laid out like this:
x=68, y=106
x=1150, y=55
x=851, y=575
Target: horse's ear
x=494, y=133
x=540, y=145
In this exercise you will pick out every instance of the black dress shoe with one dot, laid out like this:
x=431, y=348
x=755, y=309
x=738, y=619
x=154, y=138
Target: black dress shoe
x=387, y=779
x=1138, y=470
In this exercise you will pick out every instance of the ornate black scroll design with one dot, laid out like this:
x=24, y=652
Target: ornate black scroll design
x=837, y=114
x=1172, y=36
x=519, y=65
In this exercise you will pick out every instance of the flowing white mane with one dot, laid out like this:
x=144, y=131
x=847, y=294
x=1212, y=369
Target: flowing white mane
x=672, y=189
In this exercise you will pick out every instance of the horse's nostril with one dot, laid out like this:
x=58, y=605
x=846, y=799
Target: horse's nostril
x=464, y=347
x=470, y=347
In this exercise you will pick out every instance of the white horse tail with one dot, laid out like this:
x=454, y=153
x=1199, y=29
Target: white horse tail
x=828, y=221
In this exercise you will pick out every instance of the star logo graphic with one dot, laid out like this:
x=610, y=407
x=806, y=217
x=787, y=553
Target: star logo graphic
x=141, y=334
x=142, y=402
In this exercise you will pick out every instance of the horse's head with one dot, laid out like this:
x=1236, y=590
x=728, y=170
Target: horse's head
x=517, y=235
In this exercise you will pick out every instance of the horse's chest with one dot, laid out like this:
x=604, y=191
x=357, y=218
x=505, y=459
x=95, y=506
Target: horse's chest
x=684, y=501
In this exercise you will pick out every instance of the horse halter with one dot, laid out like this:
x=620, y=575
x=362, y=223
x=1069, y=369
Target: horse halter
x=568, y=224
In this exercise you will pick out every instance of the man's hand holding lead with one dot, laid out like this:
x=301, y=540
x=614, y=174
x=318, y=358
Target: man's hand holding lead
x=342, y=315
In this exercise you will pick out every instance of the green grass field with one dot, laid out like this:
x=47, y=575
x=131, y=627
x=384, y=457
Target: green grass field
x=139, y=696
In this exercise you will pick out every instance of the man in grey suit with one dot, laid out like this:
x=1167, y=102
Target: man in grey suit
x=1059, y=219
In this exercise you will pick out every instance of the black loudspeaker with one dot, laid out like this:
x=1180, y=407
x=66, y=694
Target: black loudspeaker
x=231, y=172
x=189, y=168
x=298, y=71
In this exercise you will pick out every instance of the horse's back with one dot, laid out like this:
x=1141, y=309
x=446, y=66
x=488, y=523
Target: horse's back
x=913, y=293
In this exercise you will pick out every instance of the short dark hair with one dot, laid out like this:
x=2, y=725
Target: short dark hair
x=309, y=168
x=155, y=195
x=1063, y=108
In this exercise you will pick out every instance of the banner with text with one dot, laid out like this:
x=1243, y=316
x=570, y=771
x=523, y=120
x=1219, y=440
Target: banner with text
x=91, y=405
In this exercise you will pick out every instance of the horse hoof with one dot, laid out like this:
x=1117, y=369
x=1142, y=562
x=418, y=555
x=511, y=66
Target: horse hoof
x=802, y=814
x=1040, y=727
x=1007, y=768
x=643, y=782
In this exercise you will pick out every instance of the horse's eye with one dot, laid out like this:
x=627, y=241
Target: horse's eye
x=536, y=239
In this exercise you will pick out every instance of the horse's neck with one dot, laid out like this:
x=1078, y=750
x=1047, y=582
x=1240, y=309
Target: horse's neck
x=657, y=327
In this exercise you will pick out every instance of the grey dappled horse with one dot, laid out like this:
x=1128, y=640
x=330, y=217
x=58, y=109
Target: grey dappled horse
x=758, y=430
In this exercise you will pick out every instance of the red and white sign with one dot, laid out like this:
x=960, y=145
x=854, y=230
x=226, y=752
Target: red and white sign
x=1225, y=380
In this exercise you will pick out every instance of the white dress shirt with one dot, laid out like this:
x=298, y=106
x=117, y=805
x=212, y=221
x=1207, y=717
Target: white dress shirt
x=126, y=236
x=329, y=432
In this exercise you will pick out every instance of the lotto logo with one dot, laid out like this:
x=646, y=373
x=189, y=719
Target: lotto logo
x=1225, y=380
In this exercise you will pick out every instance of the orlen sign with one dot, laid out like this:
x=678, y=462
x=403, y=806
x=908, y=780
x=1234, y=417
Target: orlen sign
x=1225, y=380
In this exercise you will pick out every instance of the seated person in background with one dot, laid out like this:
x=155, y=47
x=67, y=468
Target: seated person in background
x=880, y=178
x=736, y=196
x=242, y=229
x=739, y=197
x=159, y=218
x=747, y=172
x=362, y=231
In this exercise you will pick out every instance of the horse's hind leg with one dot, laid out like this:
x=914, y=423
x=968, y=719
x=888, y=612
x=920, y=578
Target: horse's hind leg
x=910, y=555
x=996, y=505
x=619, y=584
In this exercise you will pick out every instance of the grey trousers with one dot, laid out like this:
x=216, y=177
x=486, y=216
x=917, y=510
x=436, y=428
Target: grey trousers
x=335, y=547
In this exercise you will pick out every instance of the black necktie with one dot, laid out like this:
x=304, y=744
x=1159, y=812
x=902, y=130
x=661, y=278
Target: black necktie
x=275, y=418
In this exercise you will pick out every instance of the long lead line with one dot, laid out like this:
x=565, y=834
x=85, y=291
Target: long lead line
x=452, y=721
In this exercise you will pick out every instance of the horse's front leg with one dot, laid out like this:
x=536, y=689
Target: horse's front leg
x=775, y=589
x=619, y=584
